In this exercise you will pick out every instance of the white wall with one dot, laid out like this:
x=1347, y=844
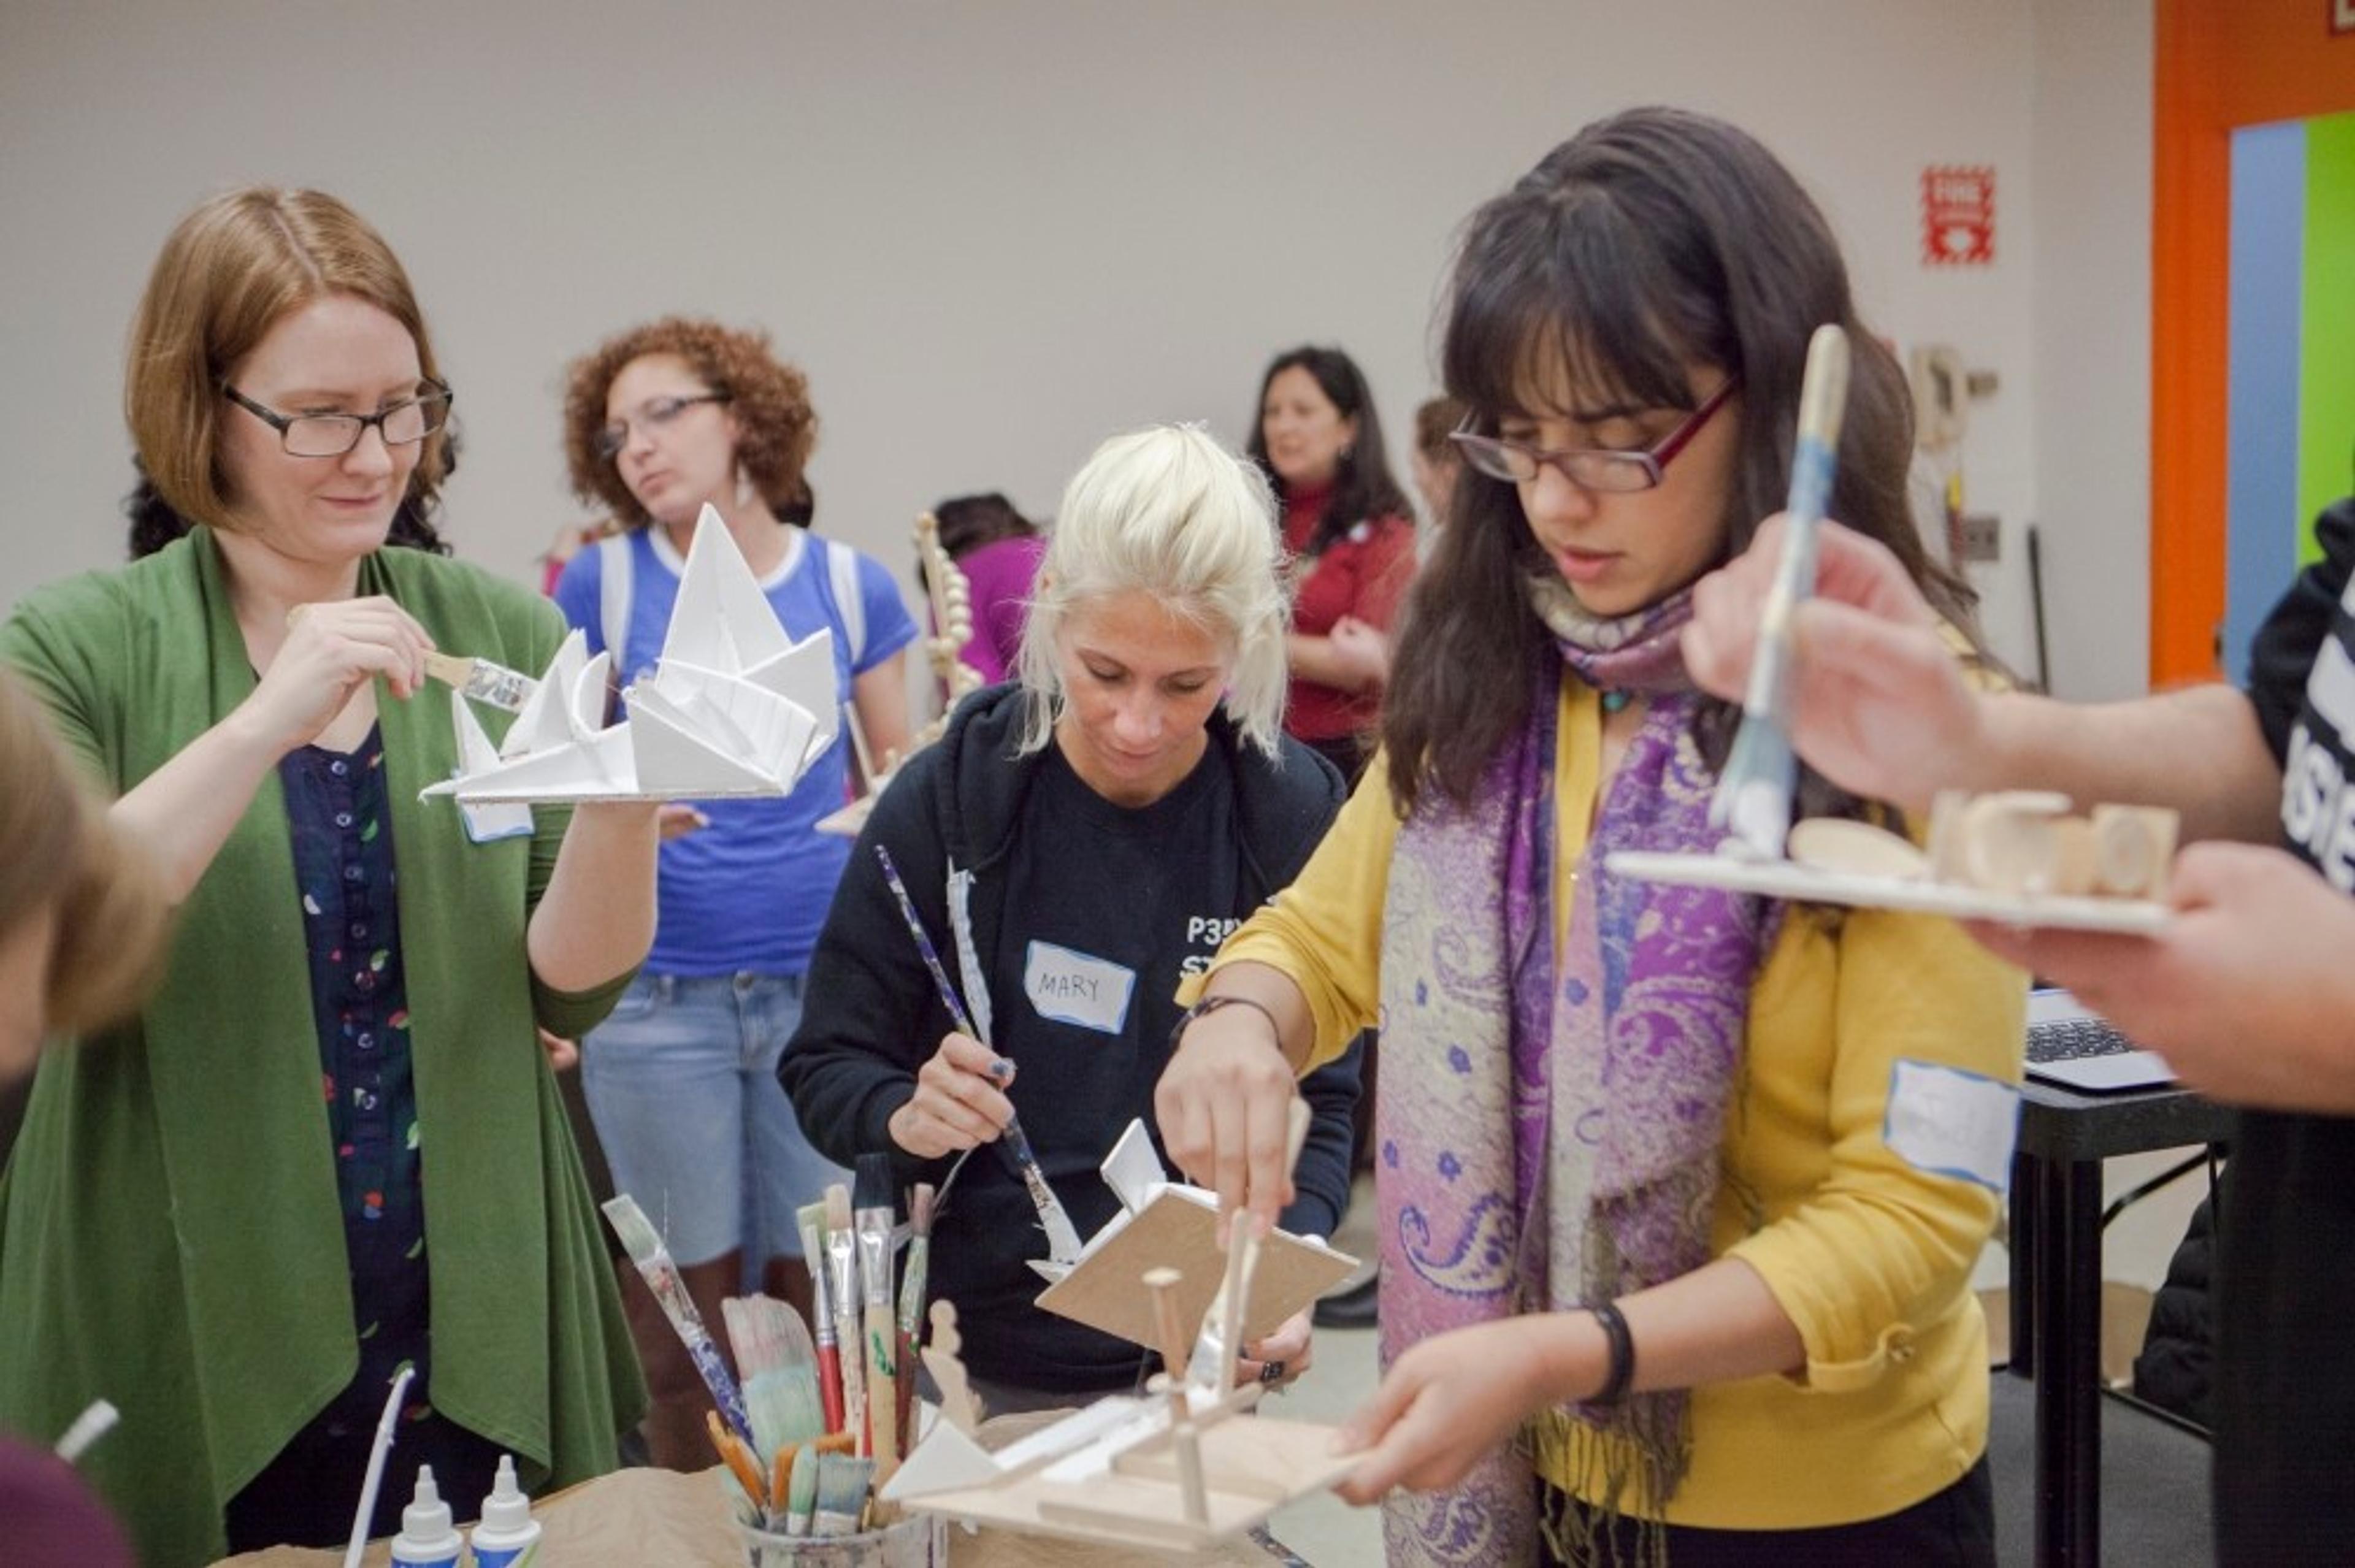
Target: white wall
x=2091, y=133
x=992, y=234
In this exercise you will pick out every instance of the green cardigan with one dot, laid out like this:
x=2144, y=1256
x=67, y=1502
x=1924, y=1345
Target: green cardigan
x=169, y=1232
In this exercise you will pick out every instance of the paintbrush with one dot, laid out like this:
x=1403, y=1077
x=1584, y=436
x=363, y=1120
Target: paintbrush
x=739, y=1462
x=912, y=1286
x=478, y=679
x=645, y=1244
x=842, y=1250
x=843, y=1483
x=1754, y=794
x=810, y=1217
x=482, y=680
x=873, y=1205
x=1220, y=1340
x=778, y=1365
x=801, y=1493
x=1062, y=1237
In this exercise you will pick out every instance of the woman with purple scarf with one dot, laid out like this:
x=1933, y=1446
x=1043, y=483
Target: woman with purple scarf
x=1681, y=1191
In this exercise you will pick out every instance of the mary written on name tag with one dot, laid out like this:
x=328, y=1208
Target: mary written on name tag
x=1074, y=988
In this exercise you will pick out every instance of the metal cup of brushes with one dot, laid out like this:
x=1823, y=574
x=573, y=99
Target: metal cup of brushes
x=919, y=1540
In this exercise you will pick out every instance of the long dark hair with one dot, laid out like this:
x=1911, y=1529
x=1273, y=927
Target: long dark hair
x=154, y=523
x=1362, y=485
x=969, y=522
x=1648, y=243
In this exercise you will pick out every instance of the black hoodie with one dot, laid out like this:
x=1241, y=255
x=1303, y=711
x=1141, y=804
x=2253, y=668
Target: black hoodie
x=1132, y=884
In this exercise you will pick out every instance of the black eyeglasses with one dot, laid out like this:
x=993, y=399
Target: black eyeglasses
x=1589, y=468
x=656, y=412
x=331, y=435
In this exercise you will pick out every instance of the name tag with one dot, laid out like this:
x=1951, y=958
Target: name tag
x=1074, y=988
x=1952, y=1122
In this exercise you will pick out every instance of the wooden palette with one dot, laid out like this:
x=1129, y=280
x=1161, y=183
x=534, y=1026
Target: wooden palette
x=1809, y=884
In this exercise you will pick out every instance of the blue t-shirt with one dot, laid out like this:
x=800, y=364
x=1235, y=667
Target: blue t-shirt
x=747, y=894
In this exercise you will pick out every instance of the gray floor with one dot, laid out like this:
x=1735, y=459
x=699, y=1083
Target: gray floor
x=1323, y=1530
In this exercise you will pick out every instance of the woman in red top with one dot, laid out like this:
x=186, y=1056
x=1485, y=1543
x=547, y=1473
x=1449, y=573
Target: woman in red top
x=1348, y=522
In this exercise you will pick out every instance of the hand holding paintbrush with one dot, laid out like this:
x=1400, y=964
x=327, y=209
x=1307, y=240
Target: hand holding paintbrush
x=1062, y=1237
x=364, y=621
x=1754, y=792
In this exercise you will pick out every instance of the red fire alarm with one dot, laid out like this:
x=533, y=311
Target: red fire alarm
x=1958, y=215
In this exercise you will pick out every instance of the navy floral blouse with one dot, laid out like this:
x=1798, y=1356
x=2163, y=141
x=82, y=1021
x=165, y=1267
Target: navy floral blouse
x=336, y=806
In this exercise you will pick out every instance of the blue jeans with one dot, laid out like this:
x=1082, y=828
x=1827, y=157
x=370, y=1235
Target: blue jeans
x=682, y=1083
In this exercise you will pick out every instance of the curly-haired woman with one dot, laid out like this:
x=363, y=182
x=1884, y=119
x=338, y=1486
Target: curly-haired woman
x=659, y=422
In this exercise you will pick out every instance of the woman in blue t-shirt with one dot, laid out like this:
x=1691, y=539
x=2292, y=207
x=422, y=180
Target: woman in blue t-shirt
x=660, y=421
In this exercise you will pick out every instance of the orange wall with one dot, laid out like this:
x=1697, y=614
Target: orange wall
x=2219, y=64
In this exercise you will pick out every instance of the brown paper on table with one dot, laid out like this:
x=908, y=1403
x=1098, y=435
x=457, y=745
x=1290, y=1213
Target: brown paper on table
x=1175, y=1230
x=634, y=1518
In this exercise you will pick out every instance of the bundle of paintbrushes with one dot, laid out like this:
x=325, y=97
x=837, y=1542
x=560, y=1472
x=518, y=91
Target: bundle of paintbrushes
x=794, y=1474
x=829, y=1410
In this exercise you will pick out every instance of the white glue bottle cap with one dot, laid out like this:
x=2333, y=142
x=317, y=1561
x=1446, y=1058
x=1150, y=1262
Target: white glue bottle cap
x=506, y=1508
x=426, y=1535
x=506, y=1526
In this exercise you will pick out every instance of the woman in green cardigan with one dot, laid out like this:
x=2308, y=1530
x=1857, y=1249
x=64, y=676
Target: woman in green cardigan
x=329, y=1145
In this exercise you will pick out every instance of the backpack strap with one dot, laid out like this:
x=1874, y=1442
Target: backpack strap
x=849, y=599
x=616, y=577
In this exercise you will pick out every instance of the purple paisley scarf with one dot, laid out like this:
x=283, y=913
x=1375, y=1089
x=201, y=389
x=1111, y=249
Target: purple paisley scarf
x=1548, y=1134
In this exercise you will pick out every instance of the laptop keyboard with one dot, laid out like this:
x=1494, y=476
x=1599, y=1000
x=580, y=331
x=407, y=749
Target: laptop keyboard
x=2072, y=1039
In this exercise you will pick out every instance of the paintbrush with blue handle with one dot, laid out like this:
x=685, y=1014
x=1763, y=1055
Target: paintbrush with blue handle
x=1063, y=1236
x=1754, y=794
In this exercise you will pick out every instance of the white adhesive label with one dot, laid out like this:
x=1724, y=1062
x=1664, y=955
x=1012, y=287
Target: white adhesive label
x=1950, y=1122
x=1075, y=988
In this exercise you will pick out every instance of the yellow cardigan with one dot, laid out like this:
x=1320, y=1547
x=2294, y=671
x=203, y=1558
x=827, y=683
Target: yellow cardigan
x=1869, y=1256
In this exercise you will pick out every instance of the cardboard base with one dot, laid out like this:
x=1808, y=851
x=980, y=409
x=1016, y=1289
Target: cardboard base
x=468, y=796
x=1251, y=1468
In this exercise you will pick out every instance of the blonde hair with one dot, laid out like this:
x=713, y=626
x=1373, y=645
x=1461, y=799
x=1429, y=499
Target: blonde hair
x=1171, y=513
x=58, y=851
x=228, y=273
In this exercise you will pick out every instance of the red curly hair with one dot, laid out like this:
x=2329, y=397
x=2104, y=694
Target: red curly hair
x=769, y=398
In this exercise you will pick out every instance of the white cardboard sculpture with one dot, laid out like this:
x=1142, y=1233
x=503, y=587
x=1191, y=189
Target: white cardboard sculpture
x=735, y=707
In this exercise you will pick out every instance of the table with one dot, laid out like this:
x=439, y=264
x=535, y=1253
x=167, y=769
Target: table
x=635, y=1517
x=2056, y=1283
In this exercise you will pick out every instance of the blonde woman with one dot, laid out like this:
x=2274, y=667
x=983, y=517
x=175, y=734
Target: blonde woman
x=1118, y=810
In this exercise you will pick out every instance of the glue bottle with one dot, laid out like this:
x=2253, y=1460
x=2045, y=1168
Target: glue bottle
x=426, y=1540
x=508, y=1533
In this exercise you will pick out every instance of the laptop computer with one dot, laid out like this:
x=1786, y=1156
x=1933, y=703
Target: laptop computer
x=2071, y=1046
